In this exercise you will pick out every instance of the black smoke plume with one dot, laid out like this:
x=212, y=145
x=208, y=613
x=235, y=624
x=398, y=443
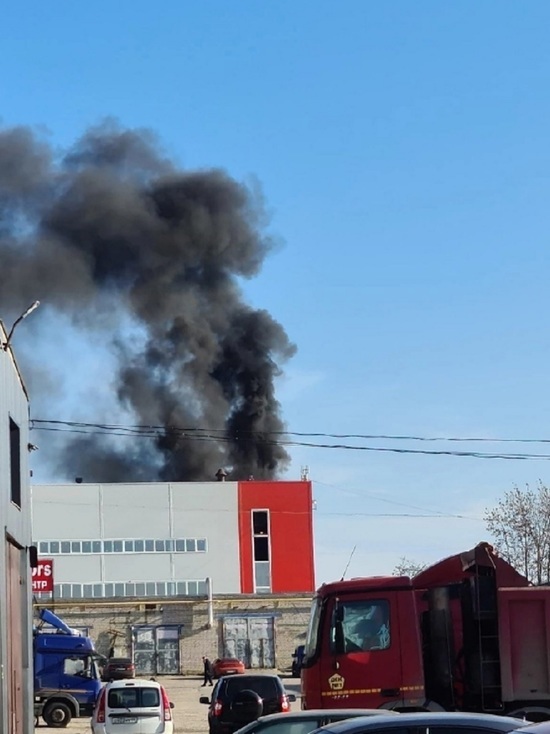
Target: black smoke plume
x=111, y=233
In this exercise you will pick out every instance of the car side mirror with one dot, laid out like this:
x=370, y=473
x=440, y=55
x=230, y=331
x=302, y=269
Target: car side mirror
x=171, y=704
x=291, y=697
x=204, y=699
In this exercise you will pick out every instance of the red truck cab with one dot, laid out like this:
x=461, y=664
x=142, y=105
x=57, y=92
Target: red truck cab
x=363, y=646
x=468, y=634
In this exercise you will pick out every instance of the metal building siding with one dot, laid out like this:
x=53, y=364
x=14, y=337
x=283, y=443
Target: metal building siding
x=156, y=510
x=209, y=510
x=66, y=511
x=136, y=510
x=137, y=567
x=290, y=533
x=16, y=523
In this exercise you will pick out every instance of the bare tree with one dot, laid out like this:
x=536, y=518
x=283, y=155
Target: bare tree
x=520, y=525
x=407, y=567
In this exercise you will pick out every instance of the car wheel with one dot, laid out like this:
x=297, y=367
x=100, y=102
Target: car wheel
x=247, y=706
x=57, y=714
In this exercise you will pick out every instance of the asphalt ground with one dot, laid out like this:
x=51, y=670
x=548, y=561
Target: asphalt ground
x=189, y=714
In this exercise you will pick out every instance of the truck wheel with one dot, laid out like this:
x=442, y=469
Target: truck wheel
x=57, y=714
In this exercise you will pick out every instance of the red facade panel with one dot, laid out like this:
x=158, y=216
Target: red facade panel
x=289, y=505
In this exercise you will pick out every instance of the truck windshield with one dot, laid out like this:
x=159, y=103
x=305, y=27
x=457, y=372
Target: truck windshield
x=360, y=625
x=313, y=628
x=84, y=666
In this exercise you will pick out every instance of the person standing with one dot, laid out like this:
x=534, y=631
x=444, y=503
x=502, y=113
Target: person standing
x=208, y=671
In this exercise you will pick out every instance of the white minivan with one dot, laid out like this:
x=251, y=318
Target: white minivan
x=133, y=707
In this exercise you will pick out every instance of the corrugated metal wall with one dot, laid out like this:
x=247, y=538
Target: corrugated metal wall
x=16, y=698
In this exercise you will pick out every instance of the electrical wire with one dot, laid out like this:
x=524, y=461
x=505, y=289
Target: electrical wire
x=282, y=439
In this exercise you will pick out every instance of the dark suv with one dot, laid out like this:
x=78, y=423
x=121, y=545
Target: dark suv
x=239, y=699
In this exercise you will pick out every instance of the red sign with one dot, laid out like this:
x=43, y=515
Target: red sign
x=42, y=576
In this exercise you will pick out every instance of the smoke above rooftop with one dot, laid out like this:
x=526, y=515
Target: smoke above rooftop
x=111, y=232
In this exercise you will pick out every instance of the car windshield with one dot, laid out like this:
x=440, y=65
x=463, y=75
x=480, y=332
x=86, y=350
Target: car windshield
x=127, y=698
x=264, y=686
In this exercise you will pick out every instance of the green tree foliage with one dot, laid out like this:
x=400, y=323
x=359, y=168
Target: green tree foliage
x=520, y=525
x=407, y=567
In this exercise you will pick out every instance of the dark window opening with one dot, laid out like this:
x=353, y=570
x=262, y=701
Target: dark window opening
x=261, y=549
x=15, y=463
x=259, y=522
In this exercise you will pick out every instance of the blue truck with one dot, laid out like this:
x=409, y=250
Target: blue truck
x=67, y=680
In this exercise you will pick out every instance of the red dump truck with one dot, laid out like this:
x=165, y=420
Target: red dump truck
x=468, y=633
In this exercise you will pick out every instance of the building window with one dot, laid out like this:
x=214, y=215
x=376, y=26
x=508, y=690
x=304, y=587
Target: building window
x=15, y=463
x=261, y=551
x=145, y=589
x=260, y=522
x=179, y=545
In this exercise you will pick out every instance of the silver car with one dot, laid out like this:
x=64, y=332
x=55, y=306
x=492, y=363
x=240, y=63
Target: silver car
x=303, y=722
x=427, y=723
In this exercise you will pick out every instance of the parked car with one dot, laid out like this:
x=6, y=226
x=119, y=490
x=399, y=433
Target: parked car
x=239, y=699
x=542, y=725
x=303, y=722
x=427, y=723
x=297, y=660
x=133, y=707
x=227, y=666
x=118, y=669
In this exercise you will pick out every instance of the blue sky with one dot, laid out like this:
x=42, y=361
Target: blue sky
x=403, y=153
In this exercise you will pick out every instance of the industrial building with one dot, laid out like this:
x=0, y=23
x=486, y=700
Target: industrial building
x=155, y=569
x=16, y=696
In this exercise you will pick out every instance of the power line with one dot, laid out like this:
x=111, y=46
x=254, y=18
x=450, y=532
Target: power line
x=433, y=513
x=408, y=515
x=221, y=436
x=36, y=422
